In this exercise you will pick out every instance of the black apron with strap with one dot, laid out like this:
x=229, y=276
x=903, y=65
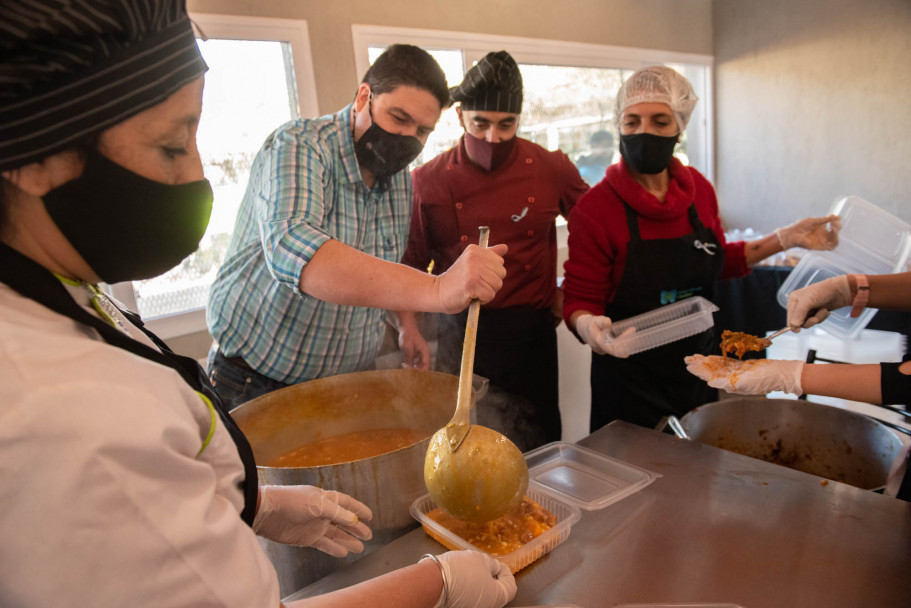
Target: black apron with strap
x=652, y=384
x=35, y=282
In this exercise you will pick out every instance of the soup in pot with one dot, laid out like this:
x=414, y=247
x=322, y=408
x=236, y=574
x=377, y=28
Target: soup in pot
x=348, y=447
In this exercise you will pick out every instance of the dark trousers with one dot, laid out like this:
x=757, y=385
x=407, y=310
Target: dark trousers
x=235, y=381
x=517, y=352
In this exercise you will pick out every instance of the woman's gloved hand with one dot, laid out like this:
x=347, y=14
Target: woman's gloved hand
x=307, y=516
x=595, y=331
x=811, y=304
x=819, y=233
x=750, y=377
x=472, y=579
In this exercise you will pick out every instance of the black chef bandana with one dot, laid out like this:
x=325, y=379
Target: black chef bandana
x=494, y=84
x=72, y=68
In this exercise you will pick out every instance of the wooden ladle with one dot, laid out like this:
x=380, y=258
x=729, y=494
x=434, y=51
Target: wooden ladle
x=473, y=472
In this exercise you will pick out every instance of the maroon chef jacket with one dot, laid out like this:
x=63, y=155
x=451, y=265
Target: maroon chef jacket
x=519, y=201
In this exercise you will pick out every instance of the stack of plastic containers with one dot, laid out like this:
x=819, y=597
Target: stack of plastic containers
x=871, y=241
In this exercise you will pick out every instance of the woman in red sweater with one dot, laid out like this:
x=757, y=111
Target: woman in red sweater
x=647, y=235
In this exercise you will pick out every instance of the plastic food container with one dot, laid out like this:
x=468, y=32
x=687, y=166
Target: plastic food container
x=664, y=325
x=871, y=241
x=584, y=477
x=567, y=515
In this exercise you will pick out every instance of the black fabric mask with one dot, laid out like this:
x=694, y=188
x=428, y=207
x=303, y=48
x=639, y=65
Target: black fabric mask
x=647, y=153
x=128, y=227
x=488, y=155
x=383, y=153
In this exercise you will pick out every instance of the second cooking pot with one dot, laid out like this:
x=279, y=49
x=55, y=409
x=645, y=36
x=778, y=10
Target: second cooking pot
x=811, y=437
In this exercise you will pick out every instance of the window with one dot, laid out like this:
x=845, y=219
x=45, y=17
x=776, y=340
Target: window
x=256, y=67
x=570, y=88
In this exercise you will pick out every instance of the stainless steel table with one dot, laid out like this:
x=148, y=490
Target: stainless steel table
x=717, y=527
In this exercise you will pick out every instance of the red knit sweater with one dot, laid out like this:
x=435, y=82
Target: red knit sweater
x=598, y=234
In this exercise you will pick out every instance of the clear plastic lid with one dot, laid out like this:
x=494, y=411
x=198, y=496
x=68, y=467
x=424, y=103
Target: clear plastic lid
x=871, y=241
x=584, y=477
x=664, y=325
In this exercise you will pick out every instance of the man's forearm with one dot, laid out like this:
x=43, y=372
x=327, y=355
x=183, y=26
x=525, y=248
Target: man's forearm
x=341, y=274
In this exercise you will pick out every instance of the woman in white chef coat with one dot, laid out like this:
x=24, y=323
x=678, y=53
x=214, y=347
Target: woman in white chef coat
x=124, y=481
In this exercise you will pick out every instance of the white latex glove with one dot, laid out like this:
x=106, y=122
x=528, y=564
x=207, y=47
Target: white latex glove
x=811, y=304
x=811, y=233
x=307, y=516
x=595, y=331
x=472, y=579
x=750, y=377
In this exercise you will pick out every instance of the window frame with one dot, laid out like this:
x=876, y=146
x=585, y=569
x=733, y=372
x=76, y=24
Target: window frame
x=556, y=52
x=238, y=27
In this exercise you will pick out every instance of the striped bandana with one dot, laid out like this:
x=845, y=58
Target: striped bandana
x=72, y=68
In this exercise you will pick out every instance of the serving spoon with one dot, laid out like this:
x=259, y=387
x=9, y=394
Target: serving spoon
x=473, y=472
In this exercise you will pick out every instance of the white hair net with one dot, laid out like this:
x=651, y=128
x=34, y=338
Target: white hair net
x=657, y=84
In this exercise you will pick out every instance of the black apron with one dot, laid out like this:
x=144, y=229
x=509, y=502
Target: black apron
x=652, y=384
x=36, y=283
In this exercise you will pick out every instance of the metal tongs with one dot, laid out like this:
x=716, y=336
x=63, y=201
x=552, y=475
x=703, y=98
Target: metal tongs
x=771, y=337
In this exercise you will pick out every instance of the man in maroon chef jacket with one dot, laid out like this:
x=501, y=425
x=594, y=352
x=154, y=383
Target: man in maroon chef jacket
x=517, y=188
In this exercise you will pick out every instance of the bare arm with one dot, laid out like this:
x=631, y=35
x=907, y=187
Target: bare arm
x=341, y=274
x=889, y=291
x=416, y=586
x=845, y=381
x=758, y=250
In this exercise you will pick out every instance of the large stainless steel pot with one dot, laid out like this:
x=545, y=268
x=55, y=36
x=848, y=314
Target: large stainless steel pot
x=285, y=419
x=811, y=437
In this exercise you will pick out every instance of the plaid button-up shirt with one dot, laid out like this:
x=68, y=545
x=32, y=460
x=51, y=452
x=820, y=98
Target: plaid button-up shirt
x=305, y=188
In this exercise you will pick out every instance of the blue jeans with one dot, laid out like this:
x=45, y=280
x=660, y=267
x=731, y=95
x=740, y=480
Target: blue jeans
x=237, y=384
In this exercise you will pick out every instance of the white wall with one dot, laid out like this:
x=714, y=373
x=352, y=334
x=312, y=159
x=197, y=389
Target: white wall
x=813, y=102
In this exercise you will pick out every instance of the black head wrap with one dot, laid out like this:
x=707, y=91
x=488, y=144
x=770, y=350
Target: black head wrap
x=494, y=84
x=71, y=68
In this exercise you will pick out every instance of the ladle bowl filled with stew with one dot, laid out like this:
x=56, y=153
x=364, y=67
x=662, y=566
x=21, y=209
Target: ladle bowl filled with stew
x=364, y=434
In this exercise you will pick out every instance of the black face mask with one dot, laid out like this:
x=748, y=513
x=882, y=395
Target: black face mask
x=647, y=153
x=125, y=226
x=384, y=153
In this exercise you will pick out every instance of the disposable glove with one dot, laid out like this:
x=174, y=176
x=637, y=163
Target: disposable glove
x=307, y=516
x=811, y=233
x=595, y=331
x=750, y=377
x=472, y=579
x=811, y=304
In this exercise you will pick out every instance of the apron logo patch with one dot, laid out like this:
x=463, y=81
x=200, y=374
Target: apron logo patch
x=516, y=218
x=669, y=296
x=709, y=248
